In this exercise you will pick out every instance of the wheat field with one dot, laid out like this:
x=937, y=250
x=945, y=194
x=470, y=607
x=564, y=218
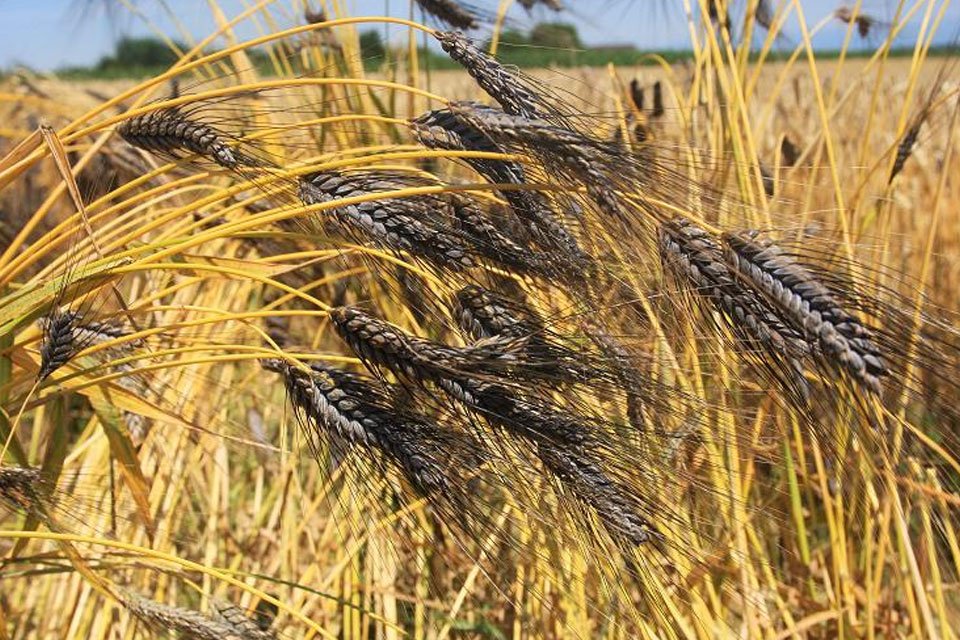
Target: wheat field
x=324, y=350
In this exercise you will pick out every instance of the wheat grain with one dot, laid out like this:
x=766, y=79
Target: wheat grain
x=407, y=224
x=502, y=85
x=190, y=623
x=169, y=132
x=238, y=619
x=808, y=305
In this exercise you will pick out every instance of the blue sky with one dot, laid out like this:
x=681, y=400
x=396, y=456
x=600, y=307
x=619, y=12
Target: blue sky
x=47, y=34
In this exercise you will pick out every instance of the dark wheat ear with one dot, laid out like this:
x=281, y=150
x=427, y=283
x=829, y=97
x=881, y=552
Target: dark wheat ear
x=628, y=374
x=362, y=412
x=58, y=345
x=21, y=488
x=407, y=224
x=696, y=258
x=905, y=149
x=483, y=313
x=488, y=236
x=189, y=623
x=583, y=160
x=502, y=85
x=450, y=12
x=382, y=345
x=863, y=22
x=167, y=131
x=566, y=443
x=764, y=14
x=65, y=334
x=445, y=130
x=808, y=306
x=553, y=5
x=658, y=110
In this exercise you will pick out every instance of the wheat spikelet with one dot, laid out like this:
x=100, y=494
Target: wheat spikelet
x=809, y=306
x=450, y=12
x=169, y=132
x=21, y=488
x=407, y=224
x=502, y=85
x=58, y=345
x=358, y=411
x=65, y=334
x=905, y=149
x=585, y=161
x=238, y=619
x=190, y=623
x=443, y=129
x=566, y=442
x=696, y=258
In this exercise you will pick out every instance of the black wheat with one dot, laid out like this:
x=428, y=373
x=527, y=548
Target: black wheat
x=449, y=12
x=808, y=305
x=169, y=132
